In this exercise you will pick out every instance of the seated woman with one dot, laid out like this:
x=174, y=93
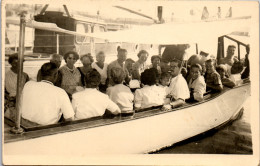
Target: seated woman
x=156, y=60
x=129, y=66
x=101, y=67
x=69, y=77
x=226, y=81
x=91, y=102
x=119, y=93
x=11, y=82
x=197, y=83
x=140, y=65
x=213, y=80
x=84, y=70
x=150, y=95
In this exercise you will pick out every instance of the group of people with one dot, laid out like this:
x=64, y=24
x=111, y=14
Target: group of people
x=123, y=86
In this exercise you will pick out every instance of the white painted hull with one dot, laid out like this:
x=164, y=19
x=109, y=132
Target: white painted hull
x=140, y=135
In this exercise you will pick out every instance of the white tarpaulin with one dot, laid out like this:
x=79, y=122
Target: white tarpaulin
x=174, y=33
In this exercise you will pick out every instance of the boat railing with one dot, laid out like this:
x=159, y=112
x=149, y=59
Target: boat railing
x=110, y=119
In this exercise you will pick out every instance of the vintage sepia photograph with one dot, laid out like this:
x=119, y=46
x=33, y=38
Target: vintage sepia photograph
x=130, y=82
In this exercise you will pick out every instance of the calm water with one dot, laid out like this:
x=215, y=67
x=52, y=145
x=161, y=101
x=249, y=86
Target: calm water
x=234, y=138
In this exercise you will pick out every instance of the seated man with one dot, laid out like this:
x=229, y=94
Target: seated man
x=197, y=83
x=221, y=69
x=213, y=80
x=55, y=58
x=44, y=103
x=11, y=86
x=119, y=93
x=179, y=90
x=91, y=102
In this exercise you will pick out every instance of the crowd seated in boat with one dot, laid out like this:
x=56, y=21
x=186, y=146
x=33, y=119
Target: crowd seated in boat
x=11, y=82
x=119, y=93
x=69, y=77
x=55, y=58
x=140, y=65
x=150, y=94
x=84, y=70
x=156, y=60
x=212, y=78
x=197, y=83
x=90, y=102
x=42, y=102
x=101, y=67
x=226, y=81
x=179, y=90
x=120, y=62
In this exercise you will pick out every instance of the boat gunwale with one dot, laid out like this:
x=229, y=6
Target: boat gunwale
x=63, y=127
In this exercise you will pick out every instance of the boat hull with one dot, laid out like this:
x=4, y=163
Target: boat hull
x=142, y=135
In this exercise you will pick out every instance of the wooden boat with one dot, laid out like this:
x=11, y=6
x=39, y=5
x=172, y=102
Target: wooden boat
x=146, y=131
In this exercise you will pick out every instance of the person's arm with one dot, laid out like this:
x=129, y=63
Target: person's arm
x=59, y=79
x=217, y=83
x=199, y=90
x=228, y=83
x=113, y=108
x=177, y=103
x=138, y=99
x=66, y=107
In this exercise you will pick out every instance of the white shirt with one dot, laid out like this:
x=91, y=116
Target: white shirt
x=91, y=103
x=179, y=88
x=44, y=103
x=165, y=90
x=102, y=72
x=149, y=96
x=199, y=87
x=122, y=96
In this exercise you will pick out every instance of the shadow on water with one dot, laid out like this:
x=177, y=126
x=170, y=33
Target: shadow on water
x=233, y=138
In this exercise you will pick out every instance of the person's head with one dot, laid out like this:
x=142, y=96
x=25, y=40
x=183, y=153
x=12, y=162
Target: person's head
x=142, y=55
x=71, y=57
x=129, y=64
x=175, y=66
x=165, y=79
x=184, y=72
x=148, y=77
x=195, y=71
x=194, y=59
x=117, y=75
x=221, y=69
x=86, y=59
x=13, y=61
x=49, y=71
x=237, y=67
x=156, y=60
x=231, y=50
x=56, y=58
x=101, y=57
x=93, y=80
x=210, y=66
x=121, y=55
